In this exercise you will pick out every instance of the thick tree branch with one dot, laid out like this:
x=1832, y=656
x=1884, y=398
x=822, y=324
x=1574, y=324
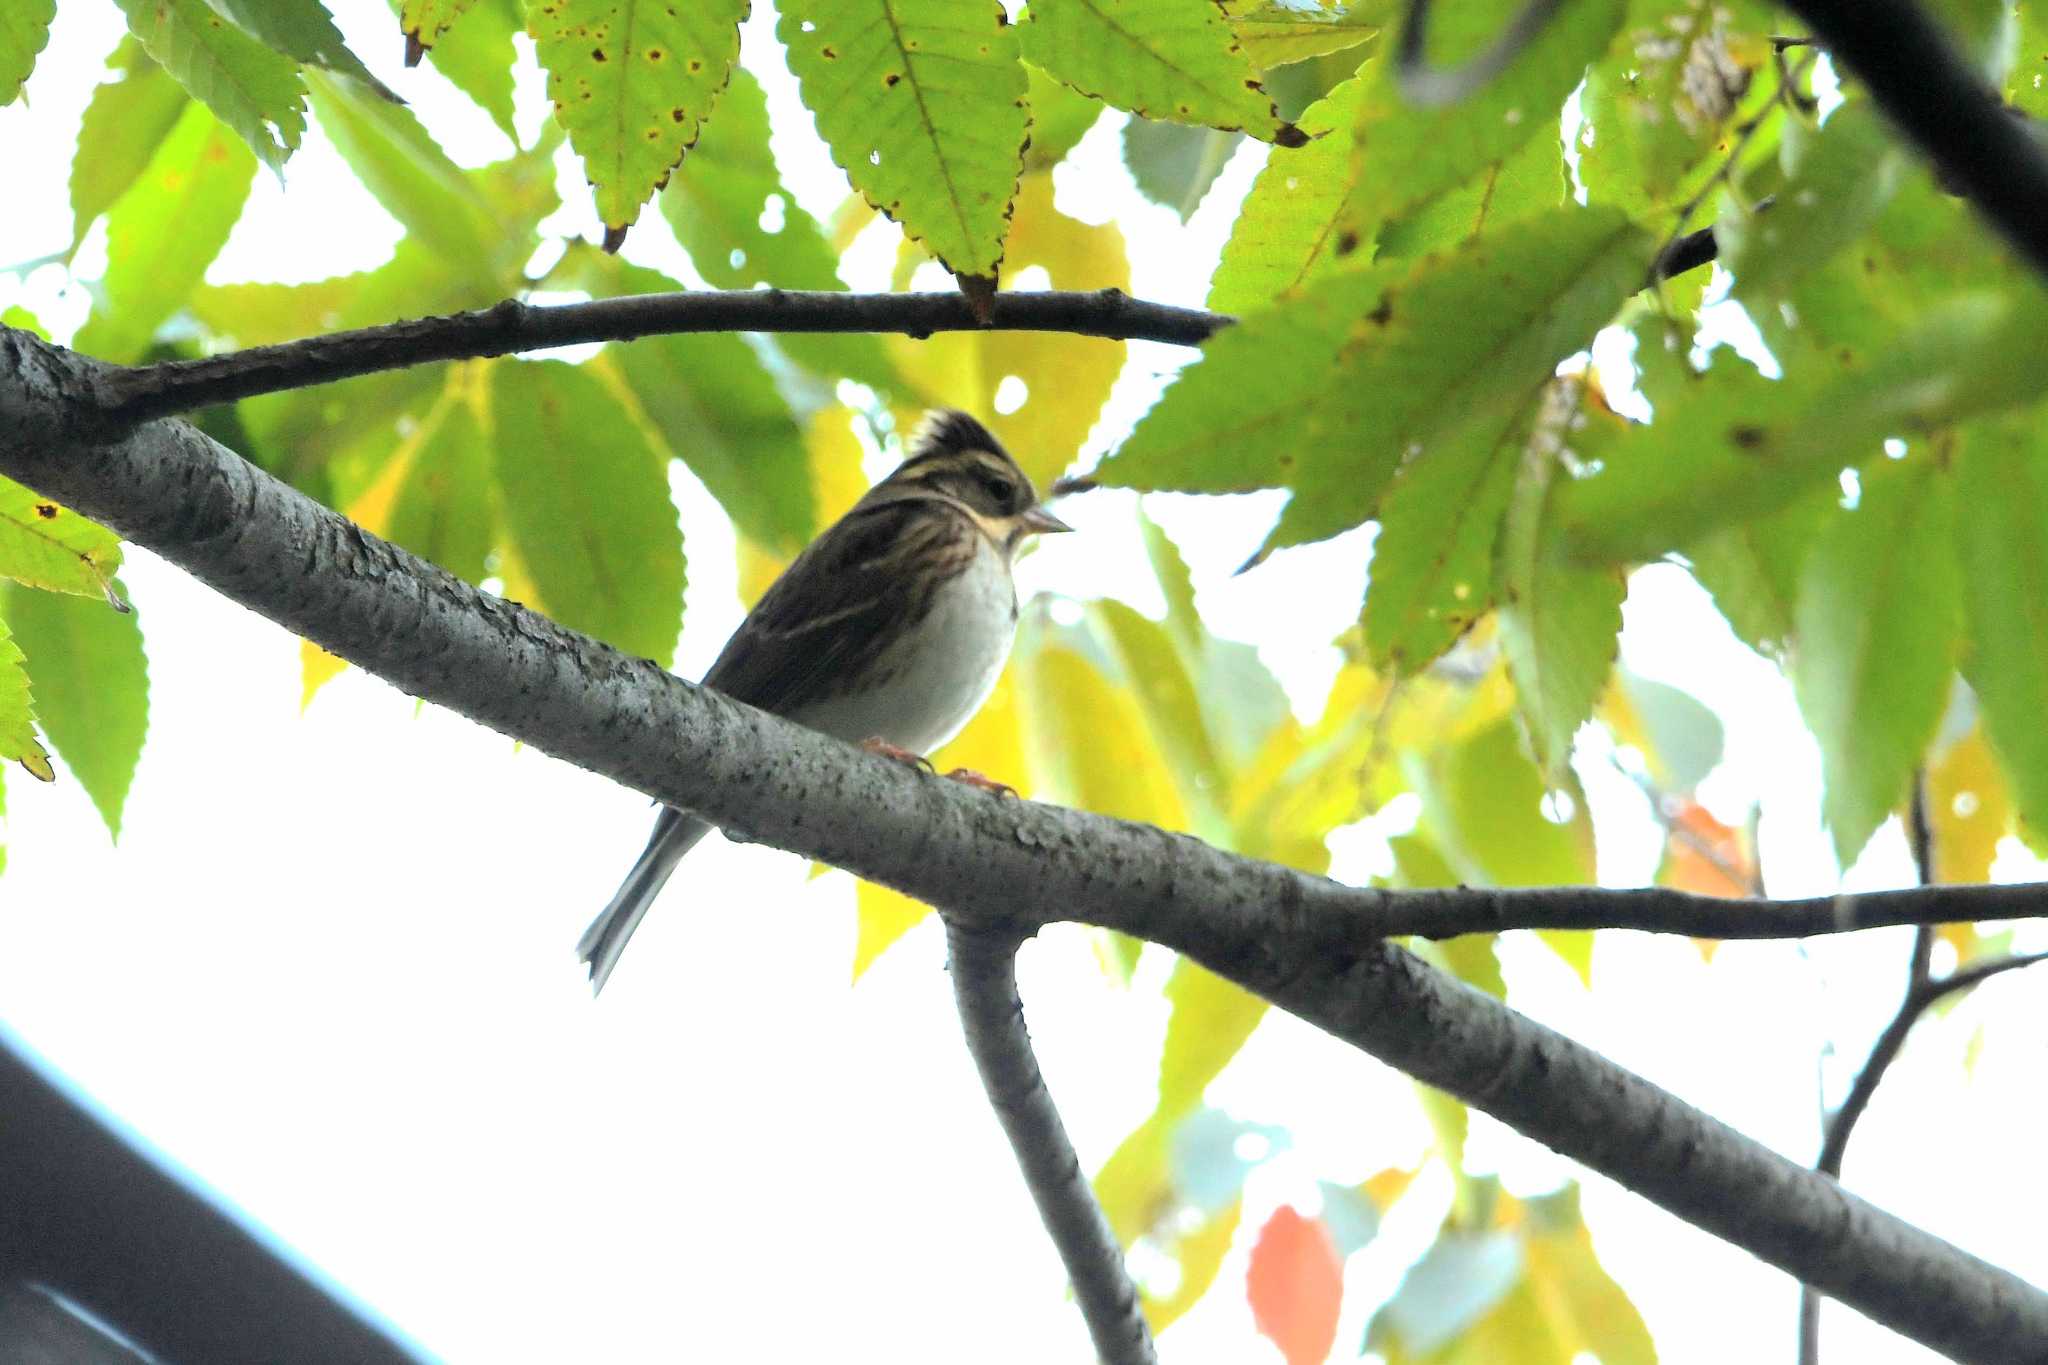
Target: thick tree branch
x=984, y=966
x=1292, y=938
x=1937, y=98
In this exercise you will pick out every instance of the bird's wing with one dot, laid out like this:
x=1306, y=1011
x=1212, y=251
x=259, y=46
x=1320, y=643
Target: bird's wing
x=841, y=603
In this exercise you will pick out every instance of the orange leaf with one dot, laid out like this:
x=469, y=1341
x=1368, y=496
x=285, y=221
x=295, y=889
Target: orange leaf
x=1296, y=1286
x=1706, y=856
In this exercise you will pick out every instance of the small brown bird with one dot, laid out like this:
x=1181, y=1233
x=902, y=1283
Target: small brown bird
x=890, y=629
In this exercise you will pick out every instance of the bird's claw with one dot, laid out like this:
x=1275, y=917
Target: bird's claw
x=875, y=744
x=982, y=783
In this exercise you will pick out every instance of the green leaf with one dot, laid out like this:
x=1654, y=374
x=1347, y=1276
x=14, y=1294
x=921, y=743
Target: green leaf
x=399, y=162
x=301, y=30
x=475, y=53
x=253, y=90
x=1162, y=59
x=17, y=713
x=1685, y=737
x=1433, y=569
x=1483, y=809
x=19, y=318
x=1153, y=666
x=2002, y=543
x=198, y=179
x=92, y=688
x=1212, y=1019
x=1877, y=636
x=24, y=29
x=1752, y=568
x=1420, y=349
x=1560, y=622
x=633, y=82
x=1088, y=743
x=1658, y=103
x=2026, y=85
x=588, y=508
x=1293, y=224
x=124, y=124
x=1060, y=117
x=922, y=102
x=1406, y=154
x=51, y=547
x=1173, y=165
x=1273, y=33
x=442, y=511
x=1531, y=179
x=1840, y=186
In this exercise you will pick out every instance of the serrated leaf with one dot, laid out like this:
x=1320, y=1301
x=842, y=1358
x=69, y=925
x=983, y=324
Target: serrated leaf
x=633, y=82
x=198, y=179
x=1407, y=153
x=1174, y=165
x=24, y=29
x=1292, y=224
x=17, y=713
x=1273, y=33
x=1560, y=622
x=401, y=164
x=1433, y=566
x=1659, y=102
x=1065, y=380
x=470, y=44
x=124, y=124
x=586, y=503
x=253, y=90
x=1161, y=59
x=1060, y=117
x=48, y=546
x=1328, y=392
x=2002, y=544
x=1295, y=1283
x=1840, y=186
x=302, y=30
x=923, y=103
x=1529, y=180
x=92, y=688
x=1877, y=636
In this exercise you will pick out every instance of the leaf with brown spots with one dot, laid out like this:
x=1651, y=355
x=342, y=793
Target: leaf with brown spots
x=52, y=547
x=17, y=713
x=939, y=149
x=633, y=82
x=253, y=90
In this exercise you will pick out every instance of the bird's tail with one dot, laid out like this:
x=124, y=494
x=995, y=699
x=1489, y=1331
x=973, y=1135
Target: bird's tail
x=674, y=835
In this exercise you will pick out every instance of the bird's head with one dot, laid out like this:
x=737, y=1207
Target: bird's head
x=960, y=459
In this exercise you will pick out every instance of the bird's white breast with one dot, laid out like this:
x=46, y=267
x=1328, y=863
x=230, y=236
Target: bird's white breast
x=937, y=676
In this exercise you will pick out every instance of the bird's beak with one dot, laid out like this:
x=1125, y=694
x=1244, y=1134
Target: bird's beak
x=1038, y=521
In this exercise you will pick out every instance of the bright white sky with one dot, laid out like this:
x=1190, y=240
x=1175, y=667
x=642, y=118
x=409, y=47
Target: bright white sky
x=330, y=973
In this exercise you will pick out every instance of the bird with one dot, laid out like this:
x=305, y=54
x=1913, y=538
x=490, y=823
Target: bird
x=889, y=630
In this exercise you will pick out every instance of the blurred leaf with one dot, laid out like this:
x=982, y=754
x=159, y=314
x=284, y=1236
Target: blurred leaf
x=49, y=546
x=1154, y=668
x=1351, y=1215
x=1968, y=806
x=317, y=668
x=1161, y=59
x=198, y=179
x=1527, y=181
x=1483, y=803
x=1334, y=432
x=302, y=30
x=1134, y=1187
x=2026, y=86
x=1752, y=568
x=1662, y=100
x=1292, y=225
x=1088, y=742
x=1208, y=1156
x=17, y=713
x=92, y=688
x=24, y=29
x=1835, y=193
x=1175, y=165
x=832, y=460
x=1878, y=633
x=1065, y=379
x=1560, y=622
x=922, y=102
x=1706, y=857
x=1199, y=1255
x=1060, y=117
x=1306, y=781
x=633, y=82
x=2001, y=511
x=1406, y=154
x=1679, y=736
x=441, y=509
x=19, y=318
x=1295, y=1284
x=882, y=915
x=1273, y=33
x=1211, y=1020
x=1462, y=1277
x=587, y=507
x=399, y=162
x=124, y=124
x=471, y=44
x=253, y=90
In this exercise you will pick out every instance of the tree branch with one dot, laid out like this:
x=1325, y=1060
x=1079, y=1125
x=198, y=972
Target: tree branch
x=1432, y=87
x=1291, y=937
x=1939, y=100
x=984, y=966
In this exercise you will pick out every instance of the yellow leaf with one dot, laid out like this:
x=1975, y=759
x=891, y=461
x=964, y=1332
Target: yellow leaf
x=1212, y=1018
x=882, y=916
x=1065, y=379
x=317, y=668
x=1134, y=1186
x=1969, y=808
x=835, y=454
x=1088, y=742
x=1200, y=1254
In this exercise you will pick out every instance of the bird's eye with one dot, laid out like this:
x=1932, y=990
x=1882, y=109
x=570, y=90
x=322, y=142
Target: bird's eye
x=1000, y=488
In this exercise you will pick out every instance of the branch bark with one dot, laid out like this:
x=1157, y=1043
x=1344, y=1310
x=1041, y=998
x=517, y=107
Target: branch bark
x=1290, y=937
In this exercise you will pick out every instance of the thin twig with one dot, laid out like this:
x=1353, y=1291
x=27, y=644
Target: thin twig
x=984, y=966
x=1432, y=87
